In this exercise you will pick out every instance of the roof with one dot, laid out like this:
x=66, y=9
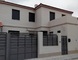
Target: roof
x=53, y=8
x=37, y=7
x=16, y=5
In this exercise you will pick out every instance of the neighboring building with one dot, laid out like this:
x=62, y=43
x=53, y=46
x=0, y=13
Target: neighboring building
x=18, y=18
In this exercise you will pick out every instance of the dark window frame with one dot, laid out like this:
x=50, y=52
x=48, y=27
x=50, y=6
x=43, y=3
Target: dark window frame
x=15, y=14
x=14, y=33
x=59, y=31
x=31, y=17
x=50, y=40
x=63, y=15
x=51, y=32
x=52, y=16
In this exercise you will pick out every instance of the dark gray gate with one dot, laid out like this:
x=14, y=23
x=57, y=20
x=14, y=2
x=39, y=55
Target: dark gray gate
x=18, y=47
x=23, y=47
x=3, y=46
x=64, y=45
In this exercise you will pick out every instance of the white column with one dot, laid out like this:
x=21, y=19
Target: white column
x=40, y=42
x=59, y=41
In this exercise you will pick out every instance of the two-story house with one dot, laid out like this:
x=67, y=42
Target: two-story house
x=22, y=18
x=18, y=18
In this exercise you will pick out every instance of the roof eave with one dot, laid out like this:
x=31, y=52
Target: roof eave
x=16, y=5
x=54, y=8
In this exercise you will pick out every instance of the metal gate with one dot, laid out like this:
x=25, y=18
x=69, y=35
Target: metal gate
x=3, y=46
x=64, y=45
x=19, y=47
x=23, y=47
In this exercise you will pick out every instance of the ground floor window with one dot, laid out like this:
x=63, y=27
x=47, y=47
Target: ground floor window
x=14, y=33
x=50, y=40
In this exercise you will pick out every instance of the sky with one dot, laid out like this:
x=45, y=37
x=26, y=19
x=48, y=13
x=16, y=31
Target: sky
x=71, y=5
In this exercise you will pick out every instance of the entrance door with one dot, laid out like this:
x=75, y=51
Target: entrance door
x=64, y=45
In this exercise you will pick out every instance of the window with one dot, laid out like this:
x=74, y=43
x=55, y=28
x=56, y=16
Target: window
x=58, y=31
x=45, y=33
x=52, y=16
x=14, y=33
x=51, y=32
x=63, y=15
x=31, y=17
x=54, y=40
x=50, y=40
x=32, y=33
x=15, y=14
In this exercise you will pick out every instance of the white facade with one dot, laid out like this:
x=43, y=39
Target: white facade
x=20, y=25
x=68, y=26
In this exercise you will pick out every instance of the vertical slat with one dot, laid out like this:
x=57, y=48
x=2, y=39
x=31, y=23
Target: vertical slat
x=22, y=47
x=3, y=46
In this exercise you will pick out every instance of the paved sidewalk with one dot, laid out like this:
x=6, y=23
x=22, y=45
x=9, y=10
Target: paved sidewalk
x=62, y=57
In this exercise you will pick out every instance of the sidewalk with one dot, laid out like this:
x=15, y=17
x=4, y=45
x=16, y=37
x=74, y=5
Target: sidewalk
x=62, y=57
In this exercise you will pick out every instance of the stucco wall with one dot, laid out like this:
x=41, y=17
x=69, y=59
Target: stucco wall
x=72, y=33
x=45, y=16
x=62, y=28
x=41, y=16
x=6, y=16
x=47, y=49
x=5, y=29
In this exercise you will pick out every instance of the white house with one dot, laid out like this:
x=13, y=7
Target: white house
x=18, y=18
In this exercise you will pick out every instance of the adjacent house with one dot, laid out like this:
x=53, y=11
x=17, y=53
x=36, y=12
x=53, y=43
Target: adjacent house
x=43, y=19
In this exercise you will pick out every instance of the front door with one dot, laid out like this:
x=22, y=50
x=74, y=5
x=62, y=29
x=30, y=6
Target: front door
x=64, y=45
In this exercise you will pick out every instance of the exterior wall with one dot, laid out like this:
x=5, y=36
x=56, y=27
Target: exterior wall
x=5, y=29
x=72, y=33
x=45, y=17
x=41, y=23
x=47, y=51
x=62, y=28
x=38, y=14
x=6, y=17
x=68, y=26
x=66, y=30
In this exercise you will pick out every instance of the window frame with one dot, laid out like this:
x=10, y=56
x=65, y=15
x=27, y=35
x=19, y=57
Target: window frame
x=31, y=19
x=14, y=32
x=15, y=13
x=52, y=15
x=49, y=40
x=63, y=15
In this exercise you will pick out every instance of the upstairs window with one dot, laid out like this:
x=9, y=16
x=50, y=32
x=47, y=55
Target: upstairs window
x=63, y=15
x=15, y=14
x=31, y=17
x=52, y=16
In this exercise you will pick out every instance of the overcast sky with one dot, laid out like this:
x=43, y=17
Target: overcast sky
x=71, y=5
